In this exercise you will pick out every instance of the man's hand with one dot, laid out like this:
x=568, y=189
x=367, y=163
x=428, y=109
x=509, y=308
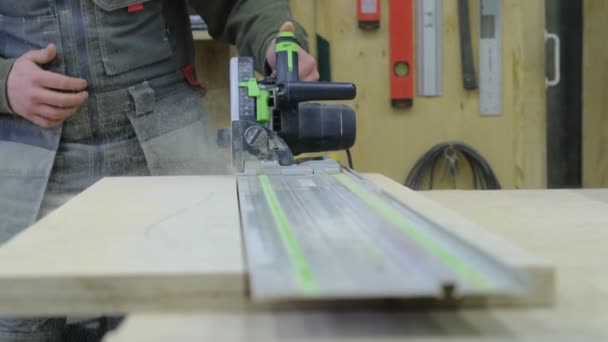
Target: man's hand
x=307, y=65
x=43, y=97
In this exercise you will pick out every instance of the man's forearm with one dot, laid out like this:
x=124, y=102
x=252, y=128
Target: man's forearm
x=5, y=68
x=249, y=24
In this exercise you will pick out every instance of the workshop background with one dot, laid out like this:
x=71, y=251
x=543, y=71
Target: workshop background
x=552, y=137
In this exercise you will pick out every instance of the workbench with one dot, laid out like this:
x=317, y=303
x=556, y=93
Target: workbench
x=567, y=227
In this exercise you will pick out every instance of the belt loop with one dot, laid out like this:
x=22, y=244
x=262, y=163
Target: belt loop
x=143, y=97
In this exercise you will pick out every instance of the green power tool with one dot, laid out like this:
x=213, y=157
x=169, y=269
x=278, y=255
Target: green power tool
x=272, y=119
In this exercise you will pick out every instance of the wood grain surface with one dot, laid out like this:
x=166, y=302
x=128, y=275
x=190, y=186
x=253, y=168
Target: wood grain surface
x=129, y=243
x=567, y=227
x=174, y=243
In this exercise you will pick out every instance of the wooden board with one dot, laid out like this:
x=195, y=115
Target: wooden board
x=128, y=244
x=304, y=13
x=201, y=35
x=568, y=227
x=172, y=243
x=389, y=141
x=540, y=271
x=595, y=88
x=213, y=70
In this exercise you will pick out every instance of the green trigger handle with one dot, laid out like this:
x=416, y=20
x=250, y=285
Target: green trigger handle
x=287, y=57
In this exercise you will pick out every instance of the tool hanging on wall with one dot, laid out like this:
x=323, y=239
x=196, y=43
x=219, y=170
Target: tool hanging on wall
x=490, y=57
x=368, y=14
x=429, y=51
x=469, y=80
x=401, y=17
x=483, y=175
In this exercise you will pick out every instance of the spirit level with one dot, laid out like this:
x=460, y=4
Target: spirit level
x=401, y=17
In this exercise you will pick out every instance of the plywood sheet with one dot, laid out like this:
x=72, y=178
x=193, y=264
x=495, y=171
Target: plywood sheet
x=129, y=243
x=566, y=227
x=540, y=270
x=171, y=243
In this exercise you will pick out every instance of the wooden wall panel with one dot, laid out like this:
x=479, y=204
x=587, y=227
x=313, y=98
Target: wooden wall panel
x=213, y=69
x=595, y=94
x=390, y=141
x=304, y=12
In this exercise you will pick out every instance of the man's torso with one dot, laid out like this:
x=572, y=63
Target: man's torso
x=141, y=116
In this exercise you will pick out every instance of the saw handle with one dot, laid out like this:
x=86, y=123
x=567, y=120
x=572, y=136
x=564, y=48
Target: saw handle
x=291, y=93
x=286, y=50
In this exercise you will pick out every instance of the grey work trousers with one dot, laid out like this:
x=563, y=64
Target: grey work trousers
x=67, y=180
x=187, y=150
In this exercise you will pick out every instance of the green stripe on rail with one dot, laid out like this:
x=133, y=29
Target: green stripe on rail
x=452, y=261
x=306, y=277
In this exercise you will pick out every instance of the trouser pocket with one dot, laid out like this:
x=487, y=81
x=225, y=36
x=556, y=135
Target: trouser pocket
x=18, y=35
x=26, y=8
x=175, y=133
x=24, y=174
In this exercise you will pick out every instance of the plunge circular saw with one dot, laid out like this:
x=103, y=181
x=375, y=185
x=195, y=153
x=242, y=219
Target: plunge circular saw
x=272, y=118
x=309, y=226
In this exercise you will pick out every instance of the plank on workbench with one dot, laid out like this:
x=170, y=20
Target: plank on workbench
x=568, y=227
x=166, y=243
x=540, y=271
x=126, y=244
